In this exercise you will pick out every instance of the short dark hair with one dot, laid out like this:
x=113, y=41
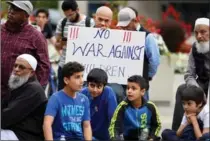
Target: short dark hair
x=41, y=10
x=97, y=76
x=70, y=68
x=193, y=93
x=143, y=83
x=69, y=4
x=136, y=12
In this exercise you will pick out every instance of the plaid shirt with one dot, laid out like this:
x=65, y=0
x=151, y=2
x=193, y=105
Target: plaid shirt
x=29, y=41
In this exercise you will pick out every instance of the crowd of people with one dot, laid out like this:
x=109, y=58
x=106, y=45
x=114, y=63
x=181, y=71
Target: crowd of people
x=93, y=109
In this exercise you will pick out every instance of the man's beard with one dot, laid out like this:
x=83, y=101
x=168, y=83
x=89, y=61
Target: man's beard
x=76, y=18
x=17, y=81
x=202, y=47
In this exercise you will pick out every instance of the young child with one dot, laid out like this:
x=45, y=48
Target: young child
x=102, y=102
x=195, y=122
x=67, y=116
x=135, y=118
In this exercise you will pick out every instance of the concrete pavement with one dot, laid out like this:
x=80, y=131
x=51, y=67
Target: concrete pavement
x=166, y=112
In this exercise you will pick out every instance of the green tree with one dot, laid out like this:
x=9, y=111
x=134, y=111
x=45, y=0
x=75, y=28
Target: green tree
x=45, y=4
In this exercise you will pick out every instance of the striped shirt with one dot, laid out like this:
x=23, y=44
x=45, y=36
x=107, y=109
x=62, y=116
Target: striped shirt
x=65, y=33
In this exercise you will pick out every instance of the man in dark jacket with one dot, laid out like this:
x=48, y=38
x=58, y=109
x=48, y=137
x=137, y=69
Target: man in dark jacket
x=198, y=70
x=23, y=113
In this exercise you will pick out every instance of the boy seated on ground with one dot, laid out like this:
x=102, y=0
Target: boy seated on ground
x=135, y=118
x=67, y=116
x=195, y=122
x=102, y=102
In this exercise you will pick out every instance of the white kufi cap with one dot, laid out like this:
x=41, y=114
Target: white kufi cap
x=30, y=59
x=202, y=21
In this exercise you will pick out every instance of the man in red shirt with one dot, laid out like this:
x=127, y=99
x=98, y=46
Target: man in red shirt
x=18, y=37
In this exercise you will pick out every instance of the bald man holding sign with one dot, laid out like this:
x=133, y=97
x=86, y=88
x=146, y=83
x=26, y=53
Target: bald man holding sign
x=103, y=17
x=103, y=20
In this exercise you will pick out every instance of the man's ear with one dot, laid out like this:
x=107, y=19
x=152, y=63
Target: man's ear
x=77, y=10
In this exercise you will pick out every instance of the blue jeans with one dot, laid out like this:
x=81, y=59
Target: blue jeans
x=170, y=135
x=119, y=91
x=146, y=95
x=188, y=134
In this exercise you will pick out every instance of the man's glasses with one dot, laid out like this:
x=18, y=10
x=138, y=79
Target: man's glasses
x=21, y=67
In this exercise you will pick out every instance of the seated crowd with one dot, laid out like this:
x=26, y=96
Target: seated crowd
x=92, y=112
x=100, y=110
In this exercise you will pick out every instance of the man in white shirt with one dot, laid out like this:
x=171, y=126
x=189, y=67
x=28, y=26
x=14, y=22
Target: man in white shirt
x=73, y=18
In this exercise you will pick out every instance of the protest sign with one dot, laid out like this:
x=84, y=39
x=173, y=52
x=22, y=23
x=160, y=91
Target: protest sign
x=120, y=53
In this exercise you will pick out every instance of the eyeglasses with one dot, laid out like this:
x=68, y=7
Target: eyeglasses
x=21, y=67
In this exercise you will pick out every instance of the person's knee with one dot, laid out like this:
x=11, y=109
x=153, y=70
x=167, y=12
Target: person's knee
x=205, y=137
x=166, y=132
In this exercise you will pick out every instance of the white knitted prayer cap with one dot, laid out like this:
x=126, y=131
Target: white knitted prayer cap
x=30, y=59
x=202, y=21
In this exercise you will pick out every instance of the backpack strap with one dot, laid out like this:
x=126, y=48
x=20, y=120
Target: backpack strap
x=63, y=23
x=87, y=21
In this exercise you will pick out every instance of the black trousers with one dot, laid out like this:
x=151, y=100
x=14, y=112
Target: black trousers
x=178, y=109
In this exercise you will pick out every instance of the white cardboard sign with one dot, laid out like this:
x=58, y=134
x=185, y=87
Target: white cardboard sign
x=120, y=53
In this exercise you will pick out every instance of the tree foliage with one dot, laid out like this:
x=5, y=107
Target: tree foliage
x=46, y=4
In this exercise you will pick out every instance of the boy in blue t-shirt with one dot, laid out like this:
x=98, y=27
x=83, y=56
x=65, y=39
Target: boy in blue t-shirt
x=102, y=102
x=67, y=116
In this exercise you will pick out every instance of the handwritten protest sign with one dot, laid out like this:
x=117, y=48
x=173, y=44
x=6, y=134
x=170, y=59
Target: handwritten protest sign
x=120, y=53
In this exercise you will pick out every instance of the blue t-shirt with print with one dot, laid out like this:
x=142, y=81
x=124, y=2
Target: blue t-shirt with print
x=68, y=113
x=102, y=109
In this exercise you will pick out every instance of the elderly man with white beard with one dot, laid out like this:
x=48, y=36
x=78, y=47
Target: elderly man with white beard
x=23, y=113
x=198, y=70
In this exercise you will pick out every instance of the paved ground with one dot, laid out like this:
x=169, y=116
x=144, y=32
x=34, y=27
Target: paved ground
x=166, y=112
